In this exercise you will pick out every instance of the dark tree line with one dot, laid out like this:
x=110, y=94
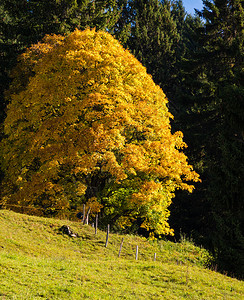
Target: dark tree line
x=198, y=62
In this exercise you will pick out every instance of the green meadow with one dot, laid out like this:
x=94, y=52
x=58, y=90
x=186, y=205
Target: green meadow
x=38, y=261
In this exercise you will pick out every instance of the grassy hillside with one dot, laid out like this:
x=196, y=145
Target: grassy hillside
x=37, y=261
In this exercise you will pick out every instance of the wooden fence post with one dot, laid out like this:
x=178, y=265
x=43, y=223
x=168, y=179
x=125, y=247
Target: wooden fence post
x=96, y=223
x=136, y=252
x=84, y=212
x=87, y=216
x=121, y=246
x=154, y=256
x=106, y=244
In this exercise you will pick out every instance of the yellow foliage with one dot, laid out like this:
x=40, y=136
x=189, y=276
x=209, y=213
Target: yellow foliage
x=85, y=117
x=94, y=205
x=81, y=189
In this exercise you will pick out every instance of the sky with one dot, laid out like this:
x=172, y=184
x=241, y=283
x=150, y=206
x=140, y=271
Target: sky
x=191, y=4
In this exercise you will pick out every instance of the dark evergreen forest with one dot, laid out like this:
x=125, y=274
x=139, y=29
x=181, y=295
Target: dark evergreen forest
x=198, y=62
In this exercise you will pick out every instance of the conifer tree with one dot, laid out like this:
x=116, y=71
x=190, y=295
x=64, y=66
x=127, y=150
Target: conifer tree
x=217, y=107
x=153, y=39
x=224, y=47
x=122, y=28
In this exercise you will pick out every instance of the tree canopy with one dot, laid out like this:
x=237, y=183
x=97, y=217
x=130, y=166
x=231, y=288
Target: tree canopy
x=86, y=123
x=213, y=126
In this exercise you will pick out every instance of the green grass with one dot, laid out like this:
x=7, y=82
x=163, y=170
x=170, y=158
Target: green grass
x=38, y=262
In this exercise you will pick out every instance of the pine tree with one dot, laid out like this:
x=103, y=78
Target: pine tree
x=224, y=46
x=184, y=51
x=188, y=212
x=216, y=112
x=153, y=39
x=122, y=28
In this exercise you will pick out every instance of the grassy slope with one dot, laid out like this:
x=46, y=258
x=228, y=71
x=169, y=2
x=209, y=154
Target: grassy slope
x=38, y=262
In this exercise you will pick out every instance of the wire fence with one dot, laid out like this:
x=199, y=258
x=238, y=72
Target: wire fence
x=84, y=220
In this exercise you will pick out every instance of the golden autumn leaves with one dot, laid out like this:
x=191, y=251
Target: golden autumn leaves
x=85, y=121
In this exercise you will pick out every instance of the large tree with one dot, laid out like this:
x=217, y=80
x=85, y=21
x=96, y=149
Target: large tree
x=153, y=39
x=86, y=123
x=216, y=110
x=223, y=46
